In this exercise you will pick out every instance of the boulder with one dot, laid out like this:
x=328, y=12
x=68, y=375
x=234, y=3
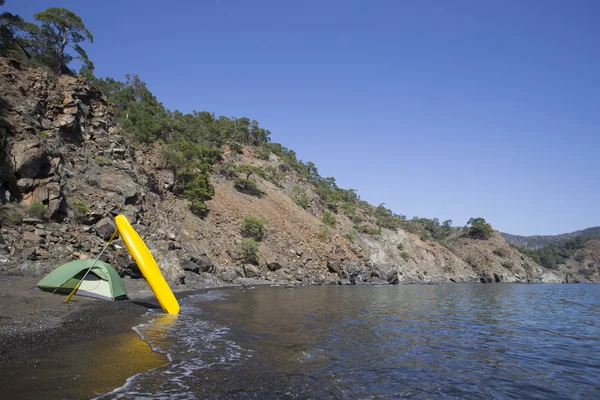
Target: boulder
x=64, y=121
x=354, y=272
x=57, y=206
x=105, y=228
x=251, y=271
x=334, y=267
x=171, y=268
x=202, y=279
x=28, y=156
x=228, y=274
x=385, y=272
x=274, y=262
x=120, y=184
x=32, y=238
x=203, y=262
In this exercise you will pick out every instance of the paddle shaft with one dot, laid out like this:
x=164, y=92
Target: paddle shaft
x=91, y=266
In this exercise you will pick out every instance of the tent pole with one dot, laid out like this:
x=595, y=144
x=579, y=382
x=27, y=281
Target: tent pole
x=91, y=266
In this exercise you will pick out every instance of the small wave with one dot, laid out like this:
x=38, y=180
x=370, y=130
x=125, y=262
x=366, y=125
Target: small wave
x=189, y=342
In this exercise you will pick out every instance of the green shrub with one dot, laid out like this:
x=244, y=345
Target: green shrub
x=479, y=229
x=37, y=210
x=227, y=169
x=250, y=170
x=198, y=207
x=405, y=255
x=400, y=246
x=10, y=216
x=329, y=219
x=44, y=134
x=235, y=147
x=499, y=253
x=248, y=250
x=198, y=190
x=247, y=186
x=274, y=175
x=300, y=197
x=587, y=272
x=349, y=236
x=79, y=210
x=553, y=255
x=263, y=154
x=101, y=159
x=348, y=208
x=368, y=230
x=323, y=234
x=253, y=227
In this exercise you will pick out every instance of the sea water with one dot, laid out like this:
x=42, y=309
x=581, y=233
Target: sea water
x=467, y=341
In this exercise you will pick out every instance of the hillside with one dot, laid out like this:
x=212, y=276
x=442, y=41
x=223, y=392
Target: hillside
x=68, y=168
x=538, y=241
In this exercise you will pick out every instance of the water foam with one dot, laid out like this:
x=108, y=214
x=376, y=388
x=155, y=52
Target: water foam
x=190, y=343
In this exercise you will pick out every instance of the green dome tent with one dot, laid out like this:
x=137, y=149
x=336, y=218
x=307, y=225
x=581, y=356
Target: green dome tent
x=102, y=282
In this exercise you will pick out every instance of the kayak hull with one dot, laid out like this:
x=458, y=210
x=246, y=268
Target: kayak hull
x=147, y=265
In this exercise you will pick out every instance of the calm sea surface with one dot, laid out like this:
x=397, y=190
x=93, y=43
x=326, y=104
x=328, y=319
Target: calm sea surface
x=378, y=342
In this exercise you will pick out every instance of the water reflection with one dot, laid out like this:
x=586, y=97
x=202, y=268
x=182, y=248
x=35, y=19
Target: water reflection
x=465, y=341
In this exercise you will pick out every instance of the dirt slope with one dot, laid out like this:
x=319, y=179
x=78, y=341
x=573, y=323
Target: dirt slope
x=61, y=148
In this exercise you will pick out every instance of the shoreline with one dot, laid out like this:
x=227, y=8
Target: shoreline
x=80, y=349
x=33, y=321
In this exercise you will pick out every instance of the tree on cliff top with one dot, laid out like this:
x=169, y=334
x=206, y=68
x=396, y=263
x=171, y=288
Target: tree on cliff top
x=479, y=229
x=61, y=28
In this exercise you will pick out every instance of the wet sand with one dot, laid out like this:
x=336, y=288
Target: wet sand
x=79, y=349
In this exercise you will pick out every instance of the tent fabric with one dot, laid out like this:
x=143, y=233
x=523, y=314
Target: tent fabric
x=102, y=281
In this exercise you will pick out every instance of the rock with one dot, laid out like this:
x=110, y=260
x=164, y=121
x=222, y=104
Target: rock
x=392, y=277
x=120, y=184
x=203, y=262
x=550, y=277
x=46, y=124
x=28, y=253
x=32, y=238
x=25, y=185
x=40, y=232
x=32, y=221
x=274, y=262
x=190, y=266
x=353, y=271
x=334, y=267
x=168, y=178
x=105, y=228
x=228, y=274
x=386, y=272
x=171, y=268
x=201, y=280
x=64, y=121
x=251, y=271
x=28, y=156
x=57, y=206
x=35, y=268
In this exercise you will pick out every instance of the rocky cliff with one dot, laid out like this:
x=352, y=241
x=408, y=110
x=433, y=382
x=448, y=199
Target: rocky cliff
x=68, y=170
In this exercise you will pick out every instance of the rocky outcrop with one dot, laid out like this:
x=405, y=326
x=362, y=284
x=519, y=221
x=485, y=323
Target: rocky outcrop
x=67, y=171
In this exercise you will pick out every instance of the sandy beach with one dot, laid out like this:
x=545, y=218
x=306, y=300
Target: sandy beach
x=78, y=349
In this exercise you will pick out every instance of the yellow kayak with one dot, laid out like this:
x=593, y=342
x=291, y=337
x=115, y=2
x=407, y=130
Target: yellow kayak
x=139, y=251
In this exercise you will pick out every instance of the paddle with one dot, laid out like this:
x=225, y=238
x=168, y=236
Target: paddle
x=91, y=266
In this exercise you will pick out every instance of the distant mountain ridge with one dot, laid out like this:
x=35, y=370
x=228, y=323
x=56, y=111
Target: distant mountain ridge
x=538, y=241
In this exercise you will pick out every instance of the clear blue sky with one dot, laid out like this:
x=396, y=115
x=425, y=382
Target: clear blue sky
x=448, y=109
